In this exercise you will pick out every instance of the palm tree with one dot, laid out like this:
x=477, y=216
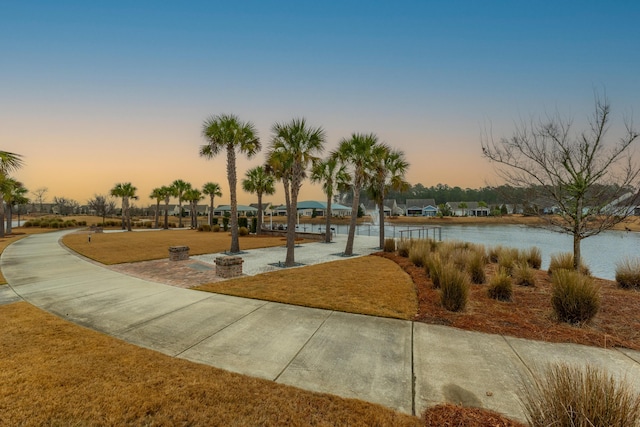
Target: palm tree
x=211, y=189
x=294, y=146
x=157, y=195
x=227, y=132
x=168, y=192
x=257, y=180
x=13, y=193
x=387, y=173
x=180, y=187
x=193, y=196
x=356, y=152
x=333, y=176
x=9, y=162
x=125, y=191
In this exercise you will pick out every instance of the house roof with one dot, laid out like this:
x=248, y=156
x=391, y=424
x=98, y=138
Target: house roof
x=241, y=208
x=420, y=203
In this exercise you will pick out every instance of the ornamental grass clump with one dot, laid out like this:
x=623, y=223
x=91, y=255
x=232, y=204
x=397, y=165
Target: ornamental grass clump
x=628, y=273
x=475, y=266
x=419, y=252
x=403, y=247
x=389, y=245
x=575, y=298
x=523, y=274
x=494, y=253
x=454, y=288
x=507, y=258
x=564, y=260
x=571, y=396
x=534, y=257
x=500, y=286
x=433, y=268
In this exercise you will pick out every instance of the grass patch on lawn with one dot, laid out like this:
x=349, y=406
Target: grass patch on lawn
x=366, y=285
x=57, y=373
x=117, y=248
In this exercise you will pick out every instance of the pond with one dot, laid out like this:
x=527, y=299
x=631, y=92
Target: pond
x=600, y=253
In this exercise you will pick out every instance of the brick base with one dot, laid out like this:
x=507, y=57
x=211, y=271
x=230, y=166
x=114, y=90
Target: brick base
x=229, y=266
x=178, y=253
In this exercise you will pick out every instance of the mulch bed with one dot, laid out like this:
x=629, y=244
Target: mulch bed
x=529, y=314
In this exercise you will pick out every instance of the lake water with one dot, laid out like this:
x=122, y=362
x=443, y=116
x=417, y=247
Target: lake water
x=600, y=253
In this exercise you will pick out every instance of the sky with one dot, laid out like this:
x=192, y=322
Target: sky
x=93, y=93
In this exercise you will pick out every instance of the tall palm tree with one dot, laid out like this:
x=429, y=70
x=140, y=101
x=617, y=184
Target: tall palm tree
x=180, y=187
x=333, y=176
x=257, y=180
x=227, y=132
x=387, y=173
x=193, y=196
x=9, y=162
x=211, y=189
x=157, y=195
x=356, y=152
x=168, y=192
x=294, y=146
x=125, y=191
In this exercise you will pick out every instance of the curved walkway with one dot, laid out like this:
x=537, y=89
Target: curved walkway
x=400, y=364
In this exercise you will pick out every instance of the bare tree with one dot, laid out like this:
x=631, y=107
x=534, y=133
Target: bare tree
x=592, y=183
x=103, y=205
x=39, y=196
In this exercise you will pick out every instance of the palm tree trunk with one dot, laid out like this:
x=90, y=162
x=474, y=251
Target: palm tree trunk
x=211, y=212
x=166, y=213
x=2, y=215
x=157, y=213
x=9, y=228
x=180, y=212
x=231, y=176
x=125, y=202
x=259, y=221
x=327, y=221
x=292, y=216
x=381, y=225
x=348, y=251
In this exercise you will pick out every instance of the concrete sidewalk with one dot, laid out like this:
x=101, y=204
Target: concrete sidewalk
x=400, y=364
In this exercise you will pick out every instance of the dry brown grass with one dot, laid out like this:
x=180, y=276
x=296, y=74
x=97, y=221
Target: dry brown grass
x=367, y=285
x=57, y=373
x=116, y=248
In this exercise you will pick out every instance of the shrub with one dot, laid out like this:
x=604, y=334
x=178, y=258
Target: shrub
x=460, y=258
x=216, y=228
x=564, y=260
x=628, y=273
x=507, y=258
x=28, y=224
x=215, y=221
x=243, y=231
x=418, y=252
x=523, y=274
x=500, y=287
x=574, y=297
x=475, y=267
x=534, y=257
x=225, y=223
x=454, y=288
x=403, y=247
x=389, y=245
x=55, y=224
x=433, y=269
x=204, y=227
x=572, y=396
x=243, y=221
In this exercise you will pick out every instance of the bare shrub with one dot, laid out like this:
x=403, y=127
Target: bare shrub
x=454, y=288
x=569, y=396
x=500, y=286
x=403, y=247
x=575, y=298
x=628, y=273
x=523, y=274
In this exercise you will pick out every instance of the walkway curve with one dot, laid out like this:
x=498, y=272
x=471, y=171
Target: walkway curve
x=400, y=364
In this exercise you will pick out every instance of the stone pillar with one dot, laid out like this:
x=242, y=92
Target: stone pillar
x=178, y=253
x=229, y=266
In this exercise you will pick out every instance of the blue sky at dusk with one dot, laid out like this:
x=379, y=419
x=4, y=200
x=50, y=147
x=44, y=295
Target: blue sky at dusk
x=95, y=93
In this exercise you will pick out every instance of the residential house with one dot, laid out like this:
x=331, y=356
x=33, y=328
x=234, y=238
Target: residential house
x=421, y=207
x=468, y=209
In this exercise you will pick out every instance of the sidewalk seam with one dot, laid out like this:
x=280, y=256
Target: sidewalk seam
x=303, y=346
